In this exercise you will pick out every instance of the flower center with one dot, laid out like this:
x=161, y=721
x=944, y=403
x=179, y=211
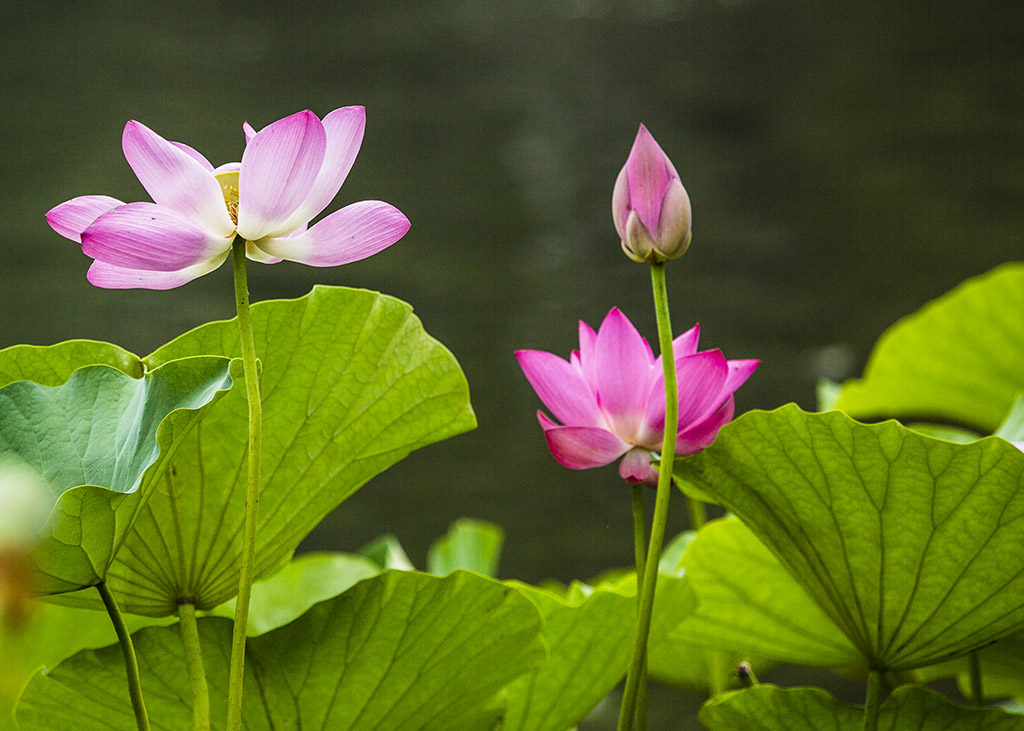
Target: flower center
x=229, y=189
x=231, y=201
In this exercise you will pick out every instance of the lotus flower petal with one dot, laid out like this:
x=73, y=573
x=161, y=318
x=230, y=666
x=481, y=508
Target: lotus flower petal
x=699, y=435
x=699, y=383
x=72, y=217
x=636, y=468
x=279, y=166
x=682, y=346
x=648, y=178
x=561, y=388
x=739, y=372
x=355, y=232
x=581, y=447
x=194, y=154
x=150, y=237
x=175, y=179
x=344, y=129
x=109, y=276
x=622, y=373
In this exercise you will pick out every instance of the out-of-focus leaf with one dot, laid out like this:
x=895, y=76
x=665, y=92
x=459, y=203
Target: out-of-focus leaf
x=474, y=545
x=1002, y=670
x=302, y=582
x=386, y=552
x=959, y=359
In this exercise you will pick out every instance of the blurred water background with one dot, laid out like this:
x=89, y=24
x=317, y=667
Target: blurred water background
x=846, y=161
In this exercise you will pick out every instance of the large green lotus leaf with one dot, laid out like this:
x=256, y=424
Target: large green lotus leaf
x=750, y=605
x=398, y=651
x=960, y=358
x=589, y=639
x=51, y=365
x=910, y=544
x=302, y=582
x=351, y=383
x=909, y=708
x=92, y=439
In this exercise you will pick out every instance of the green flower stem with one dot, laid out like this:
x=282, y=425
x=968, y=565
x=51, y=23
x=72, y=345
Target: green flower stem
x=196, y=670
x=668, y=454
x=639, y=535
x=977, y=694
x=873, y=702
x=640, y=549
x=131, y=664
x=698, y=513
x=252, y=490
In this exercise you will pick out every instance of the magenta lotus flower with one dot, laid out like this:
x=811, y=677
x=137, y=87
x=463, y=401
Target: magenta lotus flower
x=650, y=206
x=290, y=171
x=610, y=397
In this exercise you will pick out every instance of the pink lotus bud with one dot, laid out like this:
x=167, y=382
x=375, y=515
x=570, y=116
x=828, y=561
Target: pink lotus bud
x=649, y=204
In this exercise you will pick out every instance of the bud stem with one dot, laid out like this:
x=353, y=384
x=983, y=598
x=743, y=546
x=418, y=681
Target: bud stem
x=668, y=453
x=252, y=491
x=640, y=549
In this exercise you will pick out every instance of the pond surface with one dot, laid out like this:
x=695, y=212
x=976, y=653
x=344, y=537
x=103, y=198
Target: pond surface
x=845, y=162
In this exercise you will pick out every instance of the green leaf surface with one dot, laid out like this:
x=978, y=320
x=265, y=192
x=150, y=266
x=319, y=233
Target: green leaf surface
x=51, y=365
x=959, y=359
x=351, y=383
x=751, y=607
x=92, y=439
x=910, y=544
x=909, y=708
x=474, y=545
x=302, y=582
x=398, y=651
x=589, y=639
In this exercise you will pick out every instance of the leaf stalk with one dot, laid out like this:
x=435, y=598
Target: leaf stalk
x=196, y=669
x=131, y=663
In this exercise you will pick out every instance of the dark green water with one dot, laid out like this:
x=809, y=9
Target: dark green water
x=846, y=161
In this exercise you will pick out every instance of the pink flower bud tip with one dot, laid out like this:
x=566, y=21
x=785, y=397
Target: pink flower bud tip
x=650, y=206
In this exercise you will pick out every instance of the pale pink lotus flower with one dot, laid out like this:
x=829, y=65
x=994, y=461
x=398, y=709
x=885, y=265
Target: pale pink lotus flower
x=290, y=171
x=610, y=397
x=650, y=206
